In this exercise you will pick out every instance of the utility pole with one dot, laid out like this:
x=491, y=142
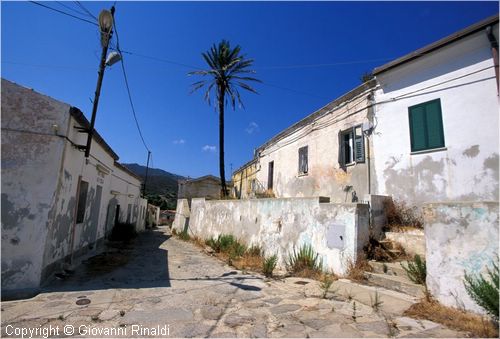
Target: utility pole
x=146, y=178
x=106, y=26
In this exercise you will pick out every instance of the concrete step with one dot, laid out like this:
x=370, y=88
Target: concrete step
x=396, y=283
x=391, y=302
x=390, y=268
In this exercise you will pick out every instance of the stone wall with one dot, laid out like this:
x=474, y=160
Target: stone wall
x=460, y=237
x=336, y=231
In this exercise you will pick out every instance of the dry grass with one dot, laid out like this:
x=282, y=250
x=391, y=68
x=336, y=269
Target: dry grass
x=453, y=318
x=249, y=262
x=356, y=271
x=400, y=216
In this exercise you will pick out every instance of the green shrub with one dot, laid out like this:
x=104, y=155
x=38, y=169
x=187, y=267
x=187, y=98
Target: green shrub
x=123, y=232
x=485, y=293
x=227, y=243
x=416, y=270
x=304, y=259
x=268, y=265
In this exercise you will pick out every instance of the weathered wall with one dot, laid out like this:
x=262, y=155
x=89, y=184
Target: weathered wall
x=245, y=183
x=467, y=168
x=182, y=213
x=336, y=231
x=200, y=188
x=413, y=242
x=325, y=176
x=31, y=165
x=460, y=237
x=41, y=169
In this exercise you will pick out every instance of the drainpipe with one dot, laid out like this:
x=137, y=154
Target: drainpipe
x=371, y=105
x=494, y=51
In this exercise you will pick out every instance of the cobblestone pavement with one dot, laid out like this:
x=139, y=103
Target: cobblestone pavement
x=171, y=288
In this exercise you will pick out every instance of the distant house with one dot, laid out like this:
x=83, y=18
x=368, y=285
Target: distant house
x=207, y=186
x=56, y=204
x=437, y=126
x=166, y=217
x=325, y=154
x=425, y=129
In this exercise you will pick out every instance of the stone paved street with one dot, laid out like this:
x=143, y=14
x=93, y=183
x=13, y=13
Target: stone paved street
x=164, y=281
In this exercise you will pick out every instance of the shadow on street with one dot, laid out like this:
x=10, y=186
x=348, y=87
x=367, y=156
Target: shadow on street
x=142, y=263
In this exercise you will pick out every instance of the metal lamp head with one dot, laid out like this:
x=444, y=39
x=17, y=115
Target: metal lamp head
x=113, y=58
x=105, y=25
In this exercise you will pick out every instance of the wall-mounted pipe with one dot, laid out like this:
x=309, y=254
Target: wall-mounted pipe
x=494, y=51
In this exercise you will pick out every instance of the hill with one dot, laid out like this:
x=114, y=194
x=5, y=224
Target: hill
x=161, y=186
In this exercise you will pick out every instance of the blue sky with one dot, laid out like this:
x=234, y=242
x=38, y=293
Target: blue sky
x=306, y=54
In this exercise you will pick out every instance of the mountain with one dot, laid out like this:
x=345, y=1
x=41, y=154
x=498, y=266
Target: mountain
x=161, y=185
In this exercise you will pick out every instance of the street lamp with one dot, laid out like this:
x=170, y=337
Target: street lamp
x=106, y=19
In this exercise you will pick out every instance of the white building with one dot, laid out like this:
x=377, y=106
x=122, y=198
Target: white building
x=425, y=130
x=436, y=135
x=56, y=204
x=325, y=154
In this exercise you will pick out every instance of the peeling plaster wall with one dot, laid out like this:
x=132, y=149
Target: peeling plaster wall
x=40, y=175
x=325, y=177
x=182, y=213
x=468, y=168
x=31, y=160
x=204, y=188
x=336, y=231
x=460, y=237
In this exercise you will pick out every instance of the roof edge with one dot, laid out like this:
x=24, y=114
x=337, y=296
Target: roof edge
x=319, y=113
x=474, y=28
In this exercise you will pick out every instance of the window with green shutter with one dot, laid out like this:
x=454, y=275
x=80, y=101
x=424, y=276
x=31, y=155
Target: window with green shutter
x=426, y=126
x=351, y=146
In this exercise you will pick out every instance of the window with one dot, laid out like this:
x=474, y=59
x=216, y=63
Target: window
x=426, y=126
x=82, y=199
x=270, y=176
x=303, y=160
x=352, y=146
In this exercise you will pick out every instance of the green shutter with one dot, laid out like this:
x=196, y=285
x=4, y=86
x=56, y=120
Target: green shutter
x=359, y=145
x=435, y=137
x=426, y=126
x=417, y=128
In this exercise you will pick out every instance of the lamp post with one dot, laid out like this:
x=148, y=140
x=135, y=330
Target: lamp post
x=106, y=28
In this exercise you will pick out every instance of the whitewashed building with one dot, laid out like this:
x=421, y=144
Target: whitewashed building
x=57, y=205
x=436, y=115
x=325, y=154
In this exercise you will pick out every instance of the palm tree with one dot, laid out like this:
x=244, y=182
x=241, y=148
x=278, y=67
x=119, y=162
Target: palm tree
x=228, y=70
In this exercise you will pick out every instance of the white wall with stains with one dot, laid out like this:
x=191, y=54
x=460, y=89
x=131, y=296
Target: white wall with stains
x=337, y=232
x=41, y=171
x=325, y=176
x=460, y=238
x=462, y=76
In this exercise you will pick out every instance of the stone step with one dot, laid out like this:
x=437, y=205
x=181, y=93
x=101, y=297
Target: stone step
x=390, y=302
x=390, y=268
x=396, y=283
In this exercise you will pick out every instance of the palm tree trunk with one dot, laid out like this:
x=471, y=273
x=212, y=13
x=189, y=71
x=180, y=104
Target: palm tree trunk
x=222, y=93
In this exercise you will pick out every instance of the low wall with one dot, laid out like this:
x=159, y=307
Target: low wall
x=336, y=231
x=413, y=242
x=460, y=237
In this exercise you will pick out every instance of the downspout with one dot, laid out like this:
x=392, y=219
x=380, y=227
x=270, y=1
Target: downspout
x=494, y=51
x=371, y=108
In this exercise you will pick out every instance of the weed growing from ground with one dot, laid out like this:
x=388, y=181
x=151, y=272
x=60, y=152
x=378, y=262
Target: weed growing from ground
x=305, y=260
x=268, y=265
x=376, y=302
x=416, y=270
x=483, y=291
x=325, y=284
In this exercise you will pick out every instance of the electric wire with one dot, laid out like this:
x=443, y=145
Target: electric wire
x=65, y=13
x=128, y=89
x=89, y=13
x=70, y=8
